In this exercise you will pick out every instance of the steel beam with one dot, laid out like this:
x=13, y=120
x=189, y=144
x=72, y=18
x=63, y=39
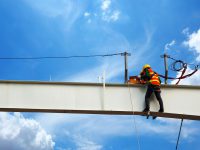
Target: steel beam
x=60, y=97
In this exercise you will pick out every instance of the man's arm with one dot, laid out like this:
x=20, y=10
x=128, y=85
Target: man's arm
x=145, y=75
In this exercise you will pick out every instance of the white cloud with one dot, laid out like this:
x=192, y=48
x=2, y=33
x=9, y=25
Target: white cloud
x=51, y=8
x=105, y=5
x=169, y=45
x=113, y=66
x=111, y=16
x=83, y=143
x=85, y=126
x=107, y=12
x=186, y=31
x=56, y=119
x=86, y=14
x=169, y=128
x=96, y=125
x=193, y=42
x=115, y=15
x=68, y=11
x=192, y=80
x=18, y=133
x=89, y=131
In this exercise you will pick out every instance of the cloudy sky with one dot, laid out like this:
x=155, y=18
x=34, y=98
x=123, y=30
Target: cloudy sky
x=146, y=29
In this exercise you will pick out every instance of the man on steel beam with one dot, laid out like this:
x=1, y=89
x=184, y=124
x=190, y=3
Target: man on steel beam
x=152, y=79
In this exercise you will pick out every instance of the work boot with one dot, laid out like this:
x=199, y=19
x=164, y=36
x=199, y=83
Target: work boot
x=154, y=117
x=146, y=110
x=148, y=113
x=161, y=110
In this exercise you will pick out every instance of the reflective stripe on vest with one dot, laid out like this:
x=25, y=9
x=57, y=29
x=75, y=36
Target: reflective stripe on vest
x=154, y=78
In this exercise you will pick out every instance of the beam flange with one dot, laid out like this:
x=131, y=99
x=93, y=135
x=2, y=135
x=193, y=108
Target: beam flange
x=180, y=101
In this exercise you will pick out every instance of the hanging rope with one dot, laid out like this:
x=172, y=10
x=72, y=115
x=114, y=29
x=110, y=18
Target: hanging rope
x=134, y=121
x=179, y=134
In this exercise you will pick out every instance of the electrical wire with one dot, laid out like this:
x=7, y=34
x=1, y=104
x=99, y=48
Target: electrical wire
x=179, y=65
x=134, y=121
x=179, y=134
x=59, y=57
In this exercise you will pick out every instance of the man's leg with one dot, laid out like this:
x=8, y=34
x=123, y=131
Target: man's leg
x=147, y=97
x=158, y=97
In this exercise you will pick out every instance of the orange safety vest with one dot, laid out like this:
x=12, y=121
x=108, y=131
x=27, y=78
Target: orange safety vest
x=154, y=78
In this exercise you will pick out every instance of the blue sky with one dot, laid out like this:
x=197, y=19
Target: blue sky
x=146, y=29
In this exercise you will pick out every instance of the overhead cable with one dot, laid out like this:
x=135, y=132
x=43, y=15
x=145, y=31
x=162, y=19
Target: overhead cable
x=59, y=57
x=180, y=66
x=134, y=120
x=177, y=143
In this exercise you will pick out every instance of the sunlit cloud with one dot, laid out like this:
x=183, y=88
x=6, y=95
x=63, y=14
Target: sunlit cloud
x=186, y=31
x=169, y=45
x=83, y=143
x=192, y=80
x=113, y=66
x=105, y=5
x=111, y=16
x=193, y=42
x=19, y=133
x=89, y=129
x=86, y=14
x=108, y=12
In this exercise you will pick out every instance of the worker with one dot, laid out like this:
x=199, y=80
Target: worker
x=151, y=78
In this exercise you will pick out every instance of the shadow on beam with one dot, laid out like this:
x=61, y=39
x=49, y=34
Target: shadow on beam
x=158, y=114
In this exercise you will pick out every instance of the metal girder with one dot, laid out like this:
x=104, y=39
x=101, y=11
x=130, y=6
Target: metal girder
x=94, y=98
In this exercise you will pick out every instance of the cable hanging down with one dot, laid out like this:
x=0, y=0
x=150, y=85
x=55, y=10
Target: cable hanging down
x=180, y=66
x=59, y=57
x=134, y=120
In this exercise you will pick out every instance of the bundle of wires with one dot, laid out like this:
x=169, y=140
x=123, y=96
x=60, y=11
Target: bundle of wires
x=181, y=66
